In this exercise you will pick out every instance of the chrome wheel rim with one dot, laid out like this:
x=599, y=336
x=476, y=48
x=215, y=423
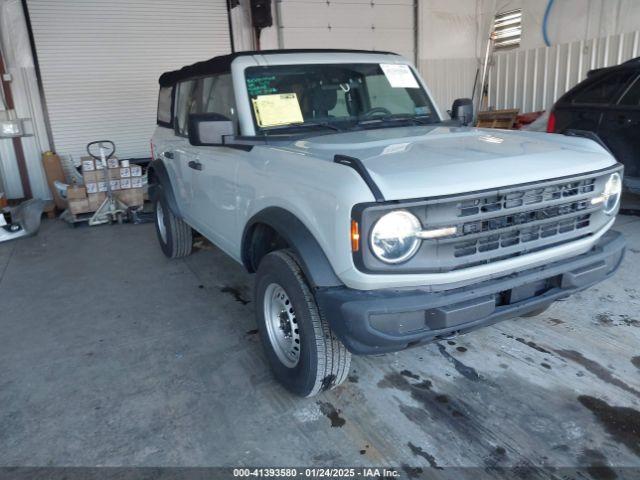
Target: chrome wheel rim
x=282, y=325
x=160, y=221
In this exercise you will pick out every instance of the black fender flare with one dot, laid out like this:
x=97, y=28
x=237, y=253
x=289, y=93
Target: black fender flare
x=314, y=262
x=159, y=180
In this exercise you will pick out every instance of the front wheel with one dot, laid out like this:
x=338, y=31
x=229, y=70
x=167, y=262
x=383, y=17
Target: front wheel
x=304, y=354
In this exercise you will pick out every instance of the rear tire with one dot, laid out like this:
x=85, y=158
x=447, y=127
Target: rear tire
x=174, y=235
x=288, y=317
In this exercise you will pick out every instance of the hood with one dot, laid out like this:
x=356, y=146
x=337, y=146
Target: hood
x=426, y=161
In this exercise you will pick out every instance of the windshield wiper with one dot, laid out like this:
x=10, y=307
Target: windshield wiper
x=306, y=124
x=397, y=117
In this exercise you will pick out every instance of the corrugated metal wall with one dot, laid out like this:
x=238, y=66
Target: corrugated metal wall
x=360, y=24
x=448, y=79
x=533, y=80
x=100, y=61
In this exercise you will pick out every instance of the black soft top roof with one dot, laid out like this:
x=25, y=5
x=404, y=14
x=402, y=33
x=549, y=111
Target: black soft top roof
x=222, y=64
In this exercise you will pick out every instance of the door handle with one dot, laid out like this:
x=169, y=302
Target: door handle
x=195, y=165
x=167, y=154
x=625, y=120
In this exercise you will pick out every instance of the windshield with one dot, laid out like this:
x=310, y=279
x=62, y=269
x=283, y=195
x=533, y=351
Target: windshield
x=289, y=98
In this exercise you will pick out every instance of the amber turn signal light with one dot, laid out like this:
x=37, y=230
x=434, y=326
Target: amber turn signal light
x=355, y=236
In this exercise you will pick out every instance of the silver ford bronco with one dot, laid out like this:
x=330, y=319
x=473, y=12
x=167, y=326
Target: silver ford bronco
x=373, y=223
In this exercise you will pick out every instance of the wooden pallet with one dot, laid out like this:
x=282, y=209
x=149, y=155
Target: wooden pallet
x=497, y=118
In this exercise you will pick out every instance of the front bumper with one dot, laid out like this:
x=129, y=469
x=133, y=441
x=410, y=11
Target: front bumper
x=380, y=321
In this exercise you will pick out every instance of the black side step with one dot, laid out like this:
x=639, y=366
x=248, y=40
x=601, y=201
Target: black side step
x=359, y=167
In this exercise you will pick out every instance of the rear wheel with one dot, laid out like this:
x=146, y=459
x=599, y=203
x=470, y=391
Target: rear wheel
x=304, y=354
x=174, y=235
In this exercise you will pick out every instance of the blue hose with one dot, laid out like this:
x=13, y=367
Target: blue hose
x=544, y=23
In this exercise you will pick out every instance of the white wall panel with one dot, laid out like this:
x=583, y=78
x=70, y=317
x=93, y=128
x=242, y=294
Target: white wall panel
x=100, y=61
x=449, y=79
x=532, y=80
x=361, y=24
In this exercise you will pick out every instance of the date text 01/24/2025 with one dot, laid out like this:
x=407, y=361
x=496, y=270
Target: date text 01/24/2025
x=316, y=472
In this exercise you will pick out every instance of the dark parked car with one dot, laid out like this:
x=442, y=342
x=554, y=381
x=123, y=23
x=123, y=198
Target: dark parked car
x=607, y=103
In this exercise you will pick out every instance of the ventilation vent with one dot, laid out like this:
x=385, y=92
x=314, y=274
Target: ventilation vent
x=507, y=29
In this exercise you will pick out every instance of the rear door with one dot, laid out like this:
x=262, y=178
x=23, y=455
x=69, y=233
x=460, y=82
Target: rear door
x=584, y=108
x=164, y=139
x=181, y=154
x=620, y=129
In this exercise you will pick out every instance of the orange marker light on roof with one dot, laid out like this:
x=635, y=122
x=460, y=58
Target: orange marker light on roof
x=355, y=236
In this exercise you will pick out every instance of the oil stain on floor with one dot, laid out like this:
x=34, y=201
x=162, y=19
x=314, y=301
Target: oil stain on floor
x=621, y=423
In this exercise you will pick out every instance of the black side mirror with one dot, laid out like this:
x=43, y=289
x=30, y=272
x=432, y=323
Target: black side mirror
x=462, y=110
x=209, y=128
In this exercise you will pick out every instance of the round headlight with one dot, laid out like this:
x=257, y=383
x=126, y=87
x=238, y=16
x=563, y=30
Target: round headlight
x=393, y=237
x=612, y=193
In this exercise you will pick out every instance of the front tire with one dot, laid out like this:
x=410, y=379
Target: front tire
x=174, y=235
x=304, y=354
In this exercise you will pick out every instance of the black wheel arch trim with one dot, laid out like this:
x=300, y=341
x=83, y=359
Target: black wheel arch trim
x=314, y=262
x=359, y=167
x=159, y=180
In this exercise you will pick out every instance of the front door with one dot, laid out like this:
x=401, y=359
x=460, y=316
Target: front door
x=214, y=185
x=211, y=171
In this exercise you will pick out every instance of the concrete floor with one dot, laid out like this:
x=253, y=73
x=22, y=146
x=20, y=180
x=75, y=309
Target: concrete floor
x=110, y=354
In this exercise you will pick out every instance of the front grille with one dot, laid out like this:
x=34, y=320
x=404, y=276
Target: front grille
x=523, y=218
x=520, y=236
x=530, y=196
x=505, y=224
x=512, y=222
x=499, y=224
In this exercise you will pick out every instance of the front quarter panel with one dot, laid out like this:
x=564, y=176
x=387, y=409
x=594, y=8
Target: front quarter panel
x=318, y=192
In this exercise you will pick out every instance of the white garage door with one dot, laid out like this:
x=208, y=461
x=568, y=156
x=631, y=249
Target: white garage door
x=361, y=24
x=100, y=61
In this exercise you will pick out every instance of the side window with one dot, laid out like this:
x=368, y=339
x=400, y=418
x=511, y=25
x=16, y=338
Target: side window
x=185, y=104
x=165, y=96
x=632, y=97
x=218, y=96
x=602, y=91
x=204, y=95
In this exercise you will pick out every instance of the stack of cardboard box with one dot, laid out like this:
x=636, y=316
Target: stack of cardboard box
x=124, y=179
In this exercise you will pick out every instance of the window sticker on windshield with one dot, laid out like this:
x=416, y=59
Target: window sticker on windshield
x=277, y=109
x=399, y=76
x=261, y=85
